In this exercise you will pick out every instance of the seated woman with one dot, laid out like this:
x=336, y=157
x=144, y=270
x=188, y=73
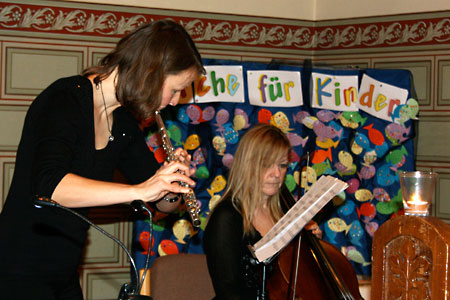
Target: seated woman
x=248, y=209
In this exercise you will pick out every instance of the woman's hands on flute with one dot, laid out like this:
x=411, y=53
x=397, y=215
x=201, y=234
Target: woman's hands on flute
x=166, y=180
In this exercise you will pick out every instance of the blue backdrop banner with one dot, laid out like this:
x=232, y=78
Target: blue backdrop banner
x=357, y=147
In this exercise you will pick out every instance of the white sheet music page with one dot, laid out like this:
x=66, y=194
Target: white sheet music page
x=297, y=217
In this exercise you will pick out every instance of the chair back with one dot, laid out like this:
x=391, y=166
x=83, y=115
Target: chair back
x=180, y=276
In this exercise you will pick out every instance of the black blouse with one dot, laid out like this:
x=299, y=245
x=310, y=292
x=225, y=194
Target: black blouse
x=58, y=138
x=233, y=270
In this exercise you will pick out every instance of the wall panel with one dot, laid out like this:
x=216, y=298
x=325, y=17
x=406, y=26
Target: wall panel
x=31, y=65
x=421, y=69
x=442, y=208
x=443, y=95
x=101, y=249
x=343, y=63
x=43, y=65
x=433, y=139
x=104, y=284
x=7, y=161
x=11, y=122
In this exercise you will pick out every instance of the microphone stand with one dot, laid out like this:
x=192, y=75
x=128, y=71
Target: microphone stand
x=128, y=291
x=139, y=205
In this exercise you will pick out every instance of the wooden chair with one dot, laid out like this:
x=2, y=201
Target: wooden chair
x=179, y=276
x=410, y=259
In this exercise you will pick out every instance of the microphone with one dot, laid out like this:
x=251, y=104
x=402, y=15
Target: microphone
x=39, y=202
x=128, y=291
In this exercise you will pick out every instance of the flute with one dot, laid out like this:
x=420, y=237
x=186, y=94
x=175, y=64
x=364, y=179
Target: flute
x=189, y=198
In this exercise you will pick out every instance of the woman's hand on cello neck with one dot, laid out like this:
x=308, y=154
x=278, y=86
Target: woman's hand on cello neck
x=315, y=229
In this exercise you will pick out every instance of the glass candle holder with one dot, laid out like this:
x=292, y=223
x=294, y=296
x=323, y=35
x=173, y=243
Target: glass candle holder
x=417, y=191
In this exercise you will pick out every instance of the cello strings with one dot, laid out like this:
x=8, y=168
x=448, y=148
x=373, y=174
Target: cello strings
x=299, y=238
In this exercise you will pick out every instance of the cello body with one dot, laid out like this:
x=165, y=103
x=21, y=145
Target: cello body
x=311, y=282
x=311, y=269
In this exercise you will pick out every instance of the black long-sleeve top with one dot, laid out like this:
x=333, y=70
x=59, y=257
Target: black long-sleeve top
x=58, y=138
x=232, y=268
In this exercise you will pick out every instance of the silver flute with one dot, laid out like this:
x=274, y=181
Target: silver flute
x=189, y=198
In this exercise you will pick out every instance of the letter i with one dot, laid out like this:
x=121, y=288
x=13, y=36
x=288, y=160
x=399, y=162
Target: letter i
x=337, y=94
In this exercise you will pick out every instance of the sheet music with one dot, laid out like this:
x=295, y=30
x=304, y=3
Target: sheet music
x=297, y=217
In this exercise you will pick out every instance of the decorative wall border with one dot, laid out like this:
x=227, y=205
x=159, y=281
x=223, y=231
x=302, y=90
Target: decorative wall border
x=412, y=30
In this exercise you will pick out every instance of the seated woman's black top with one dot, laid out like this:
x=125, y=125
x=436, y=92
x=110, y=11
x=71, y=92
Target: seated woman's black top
x=233, y=270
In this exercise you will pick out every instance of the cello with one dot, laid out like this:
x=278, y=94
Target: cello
x=309, y=269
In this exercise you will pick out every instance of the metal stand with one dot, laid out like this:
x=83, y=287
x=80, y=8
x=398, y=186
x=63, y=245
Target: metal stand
x=128, y=292
x=263, y=294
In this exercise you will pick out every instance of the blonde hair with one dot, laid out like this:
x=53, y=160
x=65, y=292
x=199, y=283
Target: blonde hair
x=259, y=148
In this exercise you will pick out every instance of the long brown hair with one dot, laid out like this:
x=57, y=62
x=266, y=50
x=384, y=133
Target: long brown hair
x=259, y=148
x=143, y=60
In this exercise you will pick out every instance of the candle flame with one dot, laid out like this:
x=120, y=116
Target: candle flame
x=415, y=199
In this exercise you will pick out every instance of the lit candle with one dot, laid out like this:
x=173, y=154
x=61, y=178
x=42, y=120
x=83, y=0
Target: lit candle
x=416, y=205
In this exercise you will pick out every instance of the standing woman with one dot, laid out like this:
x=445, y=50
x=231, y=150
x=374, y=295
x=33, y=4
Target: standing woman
x=76, y=133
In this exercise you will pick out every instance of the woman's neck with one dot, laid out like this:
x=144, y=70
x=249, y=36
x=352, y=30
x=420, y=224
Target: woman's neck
x=262, y=219
x=105, y=102
x=105, y=93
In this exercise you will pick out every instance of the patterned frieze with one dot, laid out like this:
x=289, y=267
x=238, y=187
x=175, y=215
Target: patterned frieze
x=237, y=31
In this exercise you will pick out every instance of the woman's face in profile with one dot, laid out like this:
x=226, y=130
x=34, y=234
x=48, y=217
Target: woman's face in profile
x=174, y=84
x=273, y=177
